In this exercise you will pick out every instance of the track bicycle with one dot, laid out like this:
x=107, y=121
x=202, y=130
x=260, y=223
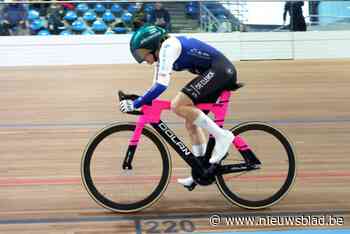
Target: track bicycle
x=126, y=166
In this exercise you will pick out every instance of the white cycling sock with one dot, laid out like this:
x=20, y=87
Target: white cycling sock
x=204, y=149
x=207, y=123
x=222, y=137
x=199, y=150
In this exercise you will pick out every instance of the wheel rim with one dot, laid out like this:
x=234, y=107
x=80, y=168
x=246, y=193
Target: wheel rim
x=240, y=198
x=94, y=186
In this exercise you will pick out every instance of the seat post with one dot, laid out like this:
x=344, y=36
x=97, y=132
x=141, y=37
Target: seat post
x=225, y=96
x=220, y=109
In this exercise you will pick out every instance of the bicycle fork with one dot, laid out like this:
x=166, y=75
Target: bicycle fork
x=127, y=164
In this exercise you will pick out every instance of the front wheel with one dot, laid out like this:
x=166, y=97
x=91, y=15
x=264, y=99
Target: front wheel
x=264, y=187
x=125, y=190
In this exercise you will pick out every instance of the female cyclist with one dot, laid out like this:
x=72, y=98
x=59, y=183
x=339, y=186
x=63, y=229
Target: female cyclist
x=214, y=74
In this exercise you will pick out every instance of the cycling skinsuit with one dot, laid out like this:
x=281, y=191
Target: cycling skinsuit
x=215, y=73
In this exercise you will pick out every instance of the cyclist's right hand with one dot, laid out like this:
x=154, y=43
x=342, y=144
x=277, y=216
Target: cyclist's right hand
x=126, y=105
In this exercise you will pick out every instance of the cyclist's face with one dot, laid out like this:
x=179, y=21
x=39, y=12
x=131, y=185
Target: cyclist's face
x=149, y=58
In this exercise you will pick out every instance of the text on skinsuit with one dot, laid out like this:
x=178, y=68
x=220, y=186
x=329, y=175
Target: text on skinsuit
x=204, y=81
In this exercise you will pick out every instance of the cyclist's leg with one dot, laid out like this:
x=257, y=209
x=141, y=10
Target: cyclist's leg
x=197, y=138
x=199, y=146
x=184, y=107
x=222, y=76
x=206, y=88
x=196, y=134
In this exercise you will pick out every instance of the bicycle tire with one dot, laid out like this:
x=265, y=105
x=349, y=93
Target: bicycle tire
x=287, y=185
x=98, y=197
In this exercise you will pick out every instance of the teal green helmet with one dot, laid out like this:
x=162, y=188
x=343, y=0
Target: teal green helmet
x=146, y=39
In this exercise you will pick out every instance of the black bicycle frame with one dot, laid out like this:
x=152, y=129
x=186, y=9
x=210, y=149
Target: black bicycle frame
x=200, y=165
x=170, y=137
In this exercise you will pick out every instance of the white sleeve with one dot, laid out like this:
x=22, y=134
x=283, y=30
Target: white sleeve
x=169, y=52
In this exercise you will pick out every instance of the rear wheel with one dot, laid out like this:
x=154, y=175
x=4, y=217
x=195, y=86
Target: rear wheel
x=266, y=186
x=125, y=190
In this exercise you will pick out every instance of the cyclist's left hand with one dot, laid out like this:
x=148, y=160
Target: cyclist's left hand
x=126, y=105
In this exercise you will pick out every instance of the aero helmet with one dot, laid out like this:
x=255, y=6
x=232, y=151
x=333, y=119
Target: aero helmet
x=146, y=39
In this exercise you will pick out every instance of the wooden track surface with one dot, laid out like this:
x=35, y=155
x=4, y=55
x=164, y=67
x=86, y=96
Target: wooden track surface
x=48, y=115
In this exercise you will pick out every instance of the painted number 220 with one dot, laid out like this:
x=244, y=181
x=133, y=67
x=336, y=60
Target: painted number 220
x=169, y=226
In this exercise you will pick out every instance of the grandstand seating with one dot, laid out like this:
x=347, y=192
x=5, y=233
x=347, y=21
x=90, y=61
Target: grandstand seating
x=192, y=10
x=99, y=27
x=117, y=10
x=70, y=16
x=32, y=15
x=78, y=26
x=90, y=19
x=44, y=32
x=107, y=18
x=82, y=8
x=100, y=9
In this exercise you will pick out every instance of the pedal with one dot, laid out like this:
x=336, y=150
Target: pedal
x=191, y=187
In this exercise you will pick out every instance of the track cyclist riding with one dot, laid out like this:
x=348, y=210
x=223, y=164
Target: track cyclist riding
x=126, y=166
x=214, y=74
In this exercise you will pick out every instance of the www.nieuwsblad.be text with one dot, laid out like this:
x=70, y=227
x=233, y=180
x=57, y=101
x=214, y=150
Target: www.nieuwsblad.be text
x=303, y=220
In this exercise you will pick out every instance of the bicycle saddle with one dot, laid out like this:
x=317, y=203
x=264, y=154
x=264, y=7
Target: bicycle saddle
x=237, y=86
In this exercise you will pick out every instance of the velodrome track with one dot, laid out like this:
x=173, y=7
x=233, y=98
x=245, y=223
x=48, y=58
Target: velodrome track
x=48, y=115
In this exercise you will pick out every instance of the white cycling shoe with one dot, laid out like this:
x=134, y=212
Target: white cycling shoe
x=187, y=182
x=222, y=145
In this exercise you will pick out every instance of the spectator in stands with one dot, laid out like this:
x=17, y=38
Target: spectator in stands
x=314, y=11
x=67, y=6
x=3, y=29
x=118, y=24
x=40, y=7
x=140, y=17
x=55, y=19
x=297, y=21
x=14, y=19
x=161, y=17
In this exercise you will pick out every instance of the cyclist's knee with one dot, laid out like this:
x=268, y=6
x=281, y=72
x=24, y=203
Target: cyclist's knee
x=176, y=107
x=179, y=103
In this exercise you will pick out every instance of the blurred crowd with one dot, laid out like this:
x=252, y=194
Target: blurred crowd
x=80, y=18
